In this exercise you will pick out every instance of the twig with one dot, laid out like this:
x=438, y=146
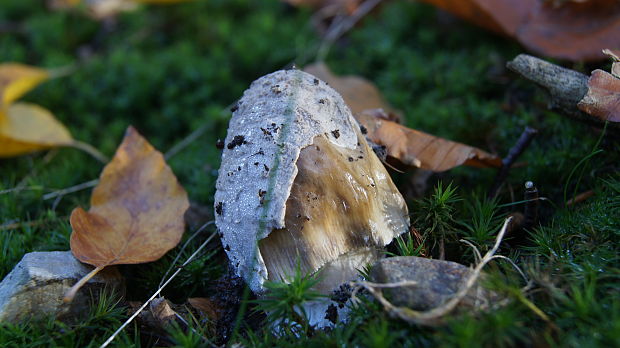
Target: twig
x=566, y=87
x=205, y=225
x=524, y=141
x=178, y=316
x=580, y=198
x=21, y=188
x=89, y=149
x=433, y=316
x=71, y=189
x=343, y=26
x=128, y=321
x=16, y=225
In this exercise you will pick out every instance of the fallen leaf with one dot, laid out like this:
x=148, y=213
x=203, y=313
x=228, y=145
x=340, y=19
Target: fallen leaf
x=136, y=212
x=418, y=149
x=359, y=93
x=615, y=66
x=205, y=306
x=27, y=127
x=407, y=146
x=603, y=97
x=17, y=79
x=162, y=311
x=573, y=30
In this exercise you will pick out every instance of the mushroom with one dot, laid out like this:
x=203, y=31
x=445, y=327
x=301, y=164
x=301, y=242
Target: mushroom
x=299, y=186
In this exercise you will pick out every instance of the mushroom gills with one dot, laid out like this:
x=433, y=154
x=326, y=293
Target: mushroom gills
x=342, y=209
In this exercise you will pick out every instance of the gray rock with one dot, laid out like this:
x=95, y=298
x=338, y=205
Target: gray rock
x=36, y=286
x=437, y=280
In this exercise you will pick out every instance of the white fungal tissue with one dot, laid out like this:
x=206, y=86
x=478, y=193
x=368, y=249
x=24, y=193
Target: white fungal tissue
x=300, y=187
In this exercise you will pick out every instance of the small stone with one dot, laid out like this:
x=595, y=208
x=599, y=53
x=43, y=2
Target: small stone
x=438, y=281
x=36, y=286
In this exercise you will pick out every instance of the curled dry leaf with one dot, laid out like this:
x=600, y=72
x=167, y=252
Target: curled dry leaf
x=17, y=79
x=615, y=66
x=414, y=148
x=162, y=311
x=359, y=93
x=407, y=146
x=603, y=97
x=26, y=128
x=207, y=307
x=571, y=30
x=136, y=212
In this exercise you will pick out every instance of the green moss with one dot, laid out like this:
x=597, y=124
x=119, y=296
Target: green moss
x=171, y=70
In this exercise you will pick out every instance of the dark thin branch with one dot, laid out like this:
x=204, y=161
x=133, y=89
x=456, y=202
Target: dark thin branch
x=524, y=141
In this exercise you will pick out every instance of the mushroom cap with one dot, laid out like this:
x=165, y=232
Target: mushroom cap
x=283, y=115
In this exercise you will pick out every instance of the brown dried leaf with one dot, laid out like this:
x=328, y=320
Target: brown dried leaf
x=418, y=149
x=162, y=311
x=615, y=66
x=205, y=306
x=573, y=31
x=359, y=93
x=603, y=97
x=136, y=212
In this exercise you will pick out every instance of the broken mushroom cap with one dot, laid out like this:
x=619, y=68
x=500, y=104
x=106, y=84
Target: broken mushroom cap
x=300, y=187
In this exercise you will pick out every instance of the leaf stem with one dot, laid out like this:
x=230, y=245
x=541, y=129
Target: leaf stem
x=74, y=289
x=89, y=149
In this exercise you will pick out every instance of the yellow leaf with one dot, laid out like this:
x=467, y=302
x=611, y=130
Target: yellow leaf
x=160, y=1
x=17, y=79
x=27, y=127
x=136, y=210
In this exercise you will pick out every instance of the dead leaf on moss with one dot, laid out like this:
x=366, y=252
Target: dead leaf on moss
x=418, y=149
x=28, y=127
x=603, y=97
x=162, y=312
x=615, y=66
x=136, y=212
x=205, y=306
x=573, y=30
x=359, y=93
x=17, y=79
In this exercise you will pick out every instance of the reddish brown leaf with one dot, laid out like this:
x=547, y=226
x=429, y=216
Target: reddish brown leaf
x=205, y=306
x=571, y=30
x=162, y=311
x=418, y=149
x=603, y=97
x=359, y=93
x=136, y=212
x=615, y=66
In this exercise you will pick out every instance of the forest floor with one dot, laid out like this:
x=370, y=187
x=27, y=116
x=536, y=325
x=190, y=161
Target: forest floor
x=171, y=70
